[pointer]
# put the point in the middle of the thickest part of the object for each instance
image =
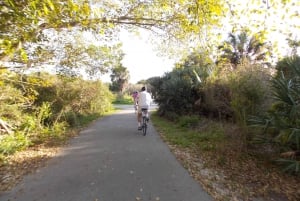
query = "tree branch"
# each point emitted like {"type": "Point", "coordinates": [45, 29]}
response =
{"type": "Point", "coordinates": [5, 126]}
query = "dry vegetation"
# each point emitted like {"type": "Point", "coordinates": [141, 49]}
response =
{"type": "Point", "coordinates": [14, 168]}
{"type": "Point", "coordinates": [229, 172]}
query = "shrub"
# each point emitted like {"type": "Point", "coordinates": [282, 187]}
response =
{"type": "Point", "coordinates": [12, 143]}
{"type": "Point", "coordinates": [249, 92]}
{"type": "Point", "coordinates": [215, 100]}
{"type": "Point", "coordinates": [72, 119]}
{"type": "Point", "coordinates": [75, 95]}
{"type": "Point", "coordinates": [12, 101]}
{"type": "Point", "coordinates": [56, 134]}
{"type": "Point", "coordinates": [41, 105]}
{"type": "Point", "coordinates": [177, 92]}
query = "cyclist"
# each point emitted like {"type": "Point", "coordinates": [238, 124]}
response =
{"type": "Point", "coordinates": [144, 101]}
{"type": "Point", "coordinates": [135, 100]}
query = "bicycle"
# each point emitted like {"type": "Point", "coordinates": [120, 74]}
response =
{"type": "Point", "coordinates": [145, 120]}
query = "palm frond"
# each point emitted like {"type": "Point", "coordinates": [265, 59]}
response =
{"type": "Point", "coordinates": [281, 91]}
{"type": "Point", "coordinates": [294, 137]}
{"type": "Point", "coordinates": [290, 165]}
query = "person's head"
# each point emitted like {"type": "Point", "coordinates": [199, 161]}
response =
{"type": "Point", "coordinates": [143, 89]}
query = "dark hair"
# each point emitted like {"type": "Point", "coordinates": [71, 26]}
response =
{"type": "Point", "coordinates": [143, 89]}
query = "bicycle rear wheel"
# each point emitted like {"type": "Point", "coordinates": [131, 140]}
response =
{"type": "Point", "coordinates": [144, 127]}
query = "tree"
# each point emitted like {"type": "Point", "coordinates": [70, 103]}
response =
{"type": "Point", "coordinates": [153, 85]}
{"type": "Point", "coordinates": [142, 82]}
{"type": "Point", "coordinates": [241, 48]}
{"type": "Point", "coordinates": [71, 53]}
{"type": "Point", "coordinates": [92, 60]}
{"type": "Point", "coordinates": [278, 19]}
{"type": "Point", "coordinates": [25, 21]}
{"type": "Point", "coordinates": [119, 78]}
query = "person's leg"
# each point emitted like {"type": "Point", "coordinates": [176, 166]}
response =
{"type": "Point", "coordinates": [147, 115]}
{"type": "Point", "coordinates": [135, 108]}
{"type": "Point", "coordinates": [139, 118]}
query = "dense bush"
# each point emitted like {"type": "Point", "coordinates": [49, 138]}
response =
{"type": "Point", "coordinates": [214, 101]}
{"type": "Point", "coordinates": [191, 89]}
{"type": "Point", "coordinates": [177, 92]}
{"type": "Point", "coordinates": [12, 101]}
{"type": "Point", "coordinates": [70, 97]}
{"type": "Point", "coordinates": [236, 95]}
{"type": "Point", "coordinates": [249, 88]}
{"type": "Point", "coordinates": [43, 106]}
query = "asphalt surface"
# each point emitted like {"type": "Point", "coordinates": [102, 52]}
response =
{"type": "Point", "coordinates": [111, 161]}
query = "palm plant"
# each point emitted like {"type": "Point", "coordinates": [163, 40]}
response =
{"type": "Point", "coordinates": [240, 48]}
{"type": "Point", "coordinates": [284, 116]}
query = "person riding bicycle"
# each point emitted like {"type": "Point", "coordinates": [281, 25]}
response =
{"type": "Point", "coordinates": [144, 101]}
{"type": "Point", "coordinates": [135, 100]}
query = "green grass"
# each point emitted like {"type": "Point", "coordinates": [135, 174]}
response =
{"type": "Point", "coordinates": [178, 134]}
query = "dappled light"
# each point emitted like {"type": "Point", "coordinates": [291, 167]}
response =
{"type": "Point", "coordinates": [228, 106]}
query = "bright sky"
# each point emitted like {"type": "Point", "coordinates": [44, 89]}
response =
{"type": "Point", "coordinates": [141, 60]}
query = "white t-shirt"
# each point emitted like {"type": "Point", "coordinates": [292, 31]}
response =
{"type": "Point", "coordinates": [144, 99]}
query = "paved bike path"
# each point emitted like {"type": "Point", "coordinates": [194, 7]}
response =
{"type": "Point", "coordinates": [111, 161]}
